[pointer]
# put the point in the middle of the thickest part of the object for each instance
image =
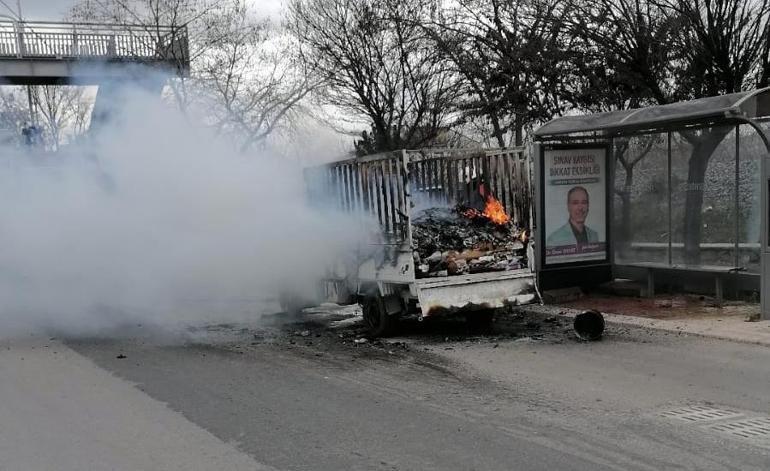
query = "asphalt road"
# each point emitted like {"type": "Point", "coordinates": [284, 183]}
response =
{"type": "Point", "coordinates": [306, 396]}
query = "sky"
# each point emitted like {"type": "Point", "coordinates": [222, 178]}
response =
{"type": "Point", "coordinates": [39, 10]}
{"type": "Point", "coordinates": [53, 10]}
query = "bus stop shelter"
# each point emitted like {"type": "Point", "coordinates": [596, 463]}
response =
{"type": "Point", "coordinates": [676, 195]}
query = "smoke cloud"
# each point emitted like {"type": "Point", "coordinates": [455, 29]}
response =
{"type": "Point", "coordinates": [154, 220]}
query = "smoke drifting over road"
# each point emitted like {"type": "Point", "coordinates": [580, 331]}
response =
{"type": "Point", "coordinates": [152, 221]}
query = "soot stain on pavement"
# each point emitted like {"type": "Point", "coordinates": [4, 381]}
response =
{"type": "Point", "coordinates": [335, 337]}
{"type": "Point", "coordinates": [328, 337]}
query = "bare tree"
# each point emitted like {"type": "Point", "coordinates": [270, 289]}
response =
{"type": "Point", "coordinates": [626, 60]}
{"type": "Point", "coordinates": [670, 50]}
{"type": "Point", "coordinates": [81, 114]}
{"type": "Point", "coordinates": [250, 78]}
{"type": "Point", "coordinates": [63, 110]}
{"type": "Point", "coordinates": [241, 71]}
{"type": "Point", "coordinates": [721, 43]}
{"type": "Point", "coordinates": [628, 54]}
{"type": "Point", "coordinates": [161, 22]}
{"type": "Point", "coordinates": [15, 109]}
{"type": "Point", "coordinates": [376, 66]}
{"type": "Point", "coordinates": [512, 58]}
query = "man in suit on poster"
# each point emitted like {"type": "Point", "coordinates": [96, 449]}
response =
{"type": "Point", "coordinates": [575, 231]}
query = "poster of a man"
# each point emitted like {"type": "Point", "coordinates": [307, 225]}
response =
{"type": "Point", "coordinates": [575, 206]}
{"type": "Point", "coordinates": [575, 230]}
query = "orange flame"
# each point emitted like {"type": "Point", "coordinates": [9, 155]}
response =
{"type": "Point", "coordinates": [495, 212]}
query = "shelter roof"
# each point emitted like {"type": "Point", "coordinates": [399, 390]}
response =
{"type": "Point", "coordinates": [722, 109]}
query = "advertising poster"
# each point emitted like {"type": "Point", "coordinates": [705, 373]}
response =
{"type": "Point", "coordinates": [575, 199]}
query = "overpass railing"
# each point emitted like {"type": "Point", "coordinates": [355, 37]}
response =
{"type": "Point", "coordinates": [26, 40]}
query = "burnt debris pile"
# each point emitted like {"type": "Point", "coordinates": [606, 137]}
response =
{"type": "Point", "coordinates": [449, 241]}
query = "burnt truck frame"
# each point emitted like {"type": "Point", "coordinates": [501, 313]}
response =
{"type": "Point", "coordinates": [386, 188]}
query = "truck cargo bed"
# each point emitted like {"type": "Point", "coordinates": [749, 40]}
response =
{"type": "Point", "coordinates": [441, 215]}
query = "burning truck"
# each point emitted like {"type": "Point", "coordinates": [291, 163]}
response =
{"type": "Point", "coordinates": [451, 233]}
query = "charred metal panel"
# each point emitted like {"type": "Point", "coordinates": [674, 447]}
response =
{"type": "Point", "coordinates": [478, 291]}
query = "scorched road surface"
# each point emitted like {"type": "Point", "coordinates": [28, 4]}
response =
{"type": "Point", "coordinates": [311, 395]}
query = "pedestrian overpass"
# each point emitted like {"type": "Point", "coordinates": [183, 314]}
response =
{"type": "Point", "coordinates": [109, 56]}
{"type": "Point", "coordinates": [45, 53]}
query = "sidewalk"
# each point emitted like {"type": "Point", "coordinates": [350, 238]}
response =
{"type": "Point", "coordinates": [728, 323]}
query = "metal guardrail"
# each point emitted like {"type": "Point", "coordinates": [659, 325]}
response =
{"type": "Point", "coordinates": [39, 40]}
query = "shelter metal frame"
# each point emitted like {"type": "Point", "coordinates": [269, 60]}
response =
{"type": "Point", "coordinates": [736, 109]}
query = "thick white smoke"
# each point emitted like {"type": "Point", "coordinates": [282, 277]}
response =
{"type": "Point", "coordinates": [153, 221]}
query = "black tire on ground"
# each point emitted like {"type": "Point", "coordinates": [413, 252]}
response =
{"type": "Point", "coordinates": [480, 320]}
{"type": "Point", "coordinates": [377, 320]}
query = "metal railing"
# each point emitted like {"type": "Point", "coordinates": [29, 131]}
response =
{"type": "Point", "coordinates": [450, 176]}
{"type": "Point", "coordinates": [26, 40]}
{"type": "Point", "coordinates": [376, 185]}
{"type": "Point", "coordinates": [385, 185]}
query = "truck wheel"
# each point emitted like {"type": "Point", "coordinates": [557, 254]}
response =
{"type": "Point", "coordinates": [377, 319]}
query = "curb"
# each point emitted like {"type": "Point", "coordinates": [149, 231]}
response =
{"type": "Point", "coordinates": [619, 320]}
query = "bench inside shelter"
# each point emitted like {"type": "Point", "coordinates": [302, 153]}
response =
{"type": "Point", "coordinates": [718, 272]}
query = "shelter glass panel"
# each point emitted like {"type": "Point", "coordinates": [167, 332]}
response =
{"type": "Point", "coordinates": [640, 210]}
{"type": "Point", "coordinates": [703, 182]}
{"type": "Point", "coordinates": [750, 192]}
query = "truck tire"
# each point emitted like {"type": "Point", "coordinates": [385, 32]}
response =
{"type": "Point", "coordinates": [378, 321]}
